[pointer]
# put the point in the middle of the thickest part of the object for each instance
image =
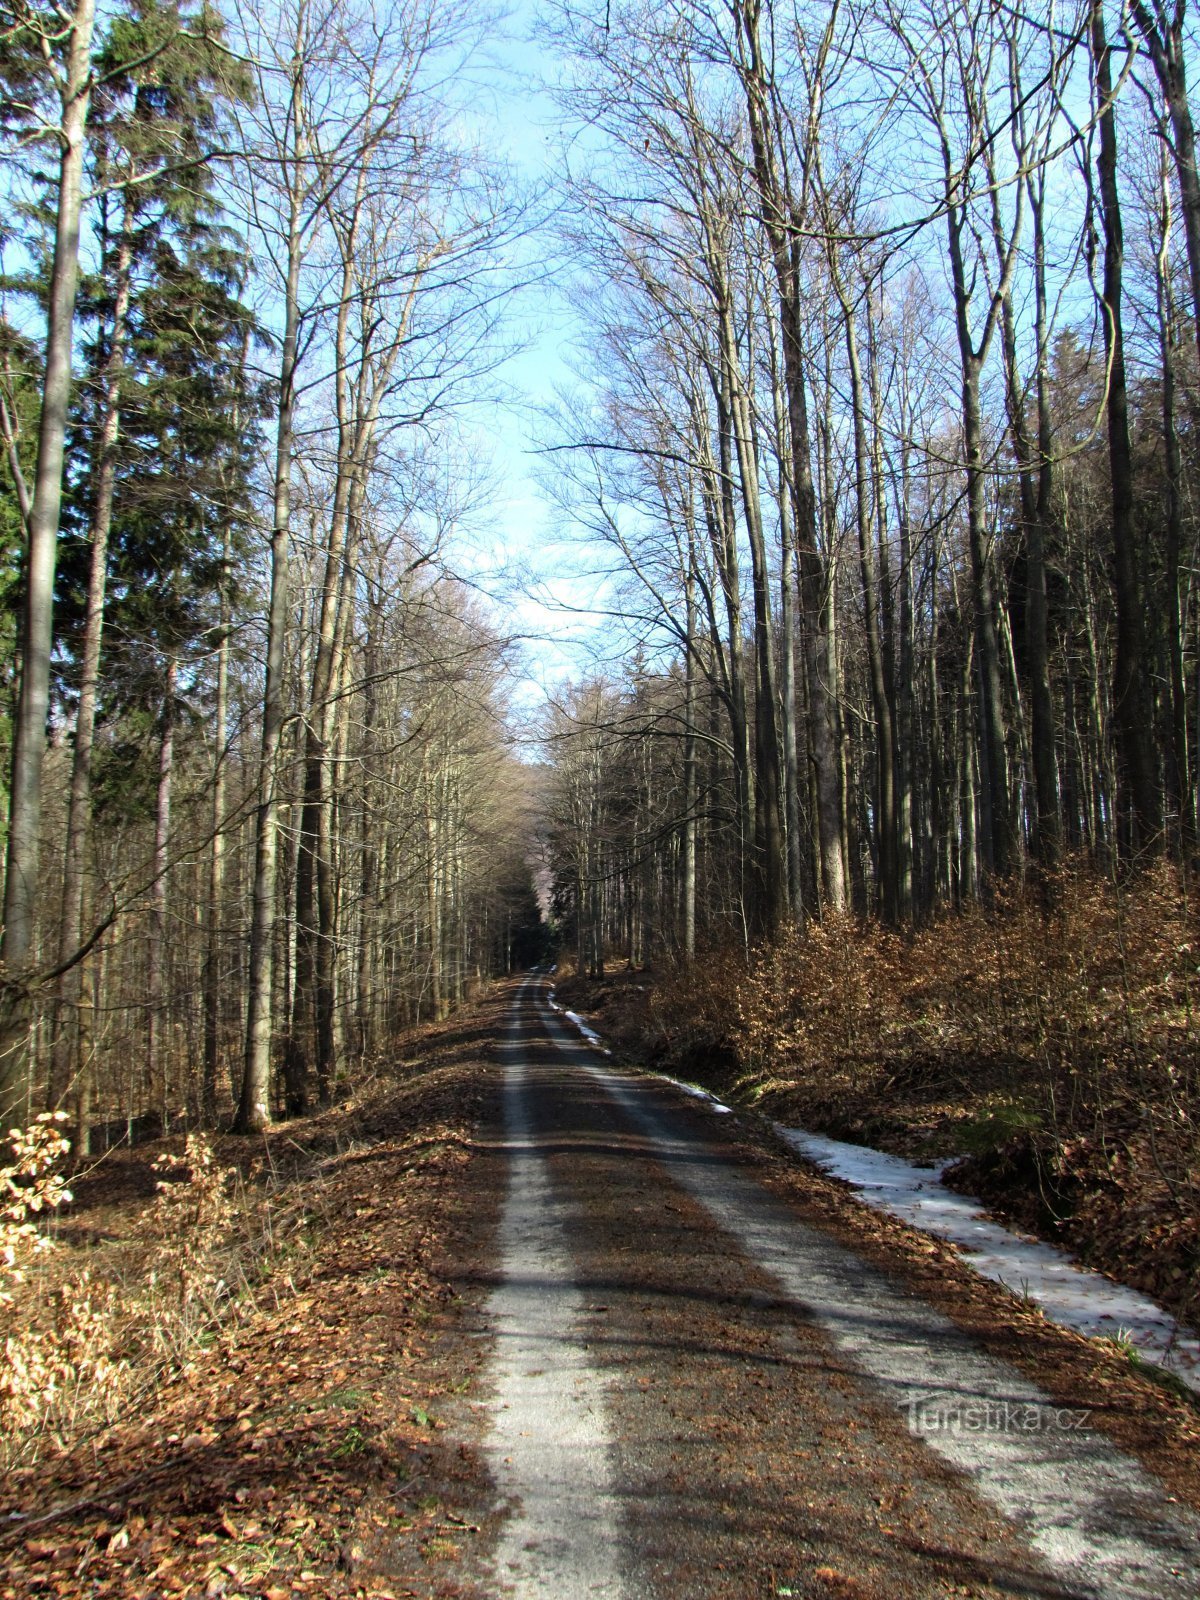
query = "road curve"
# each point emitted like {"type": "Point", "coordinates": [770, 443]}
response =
{"type": "Point", "coordinates": [696, 1393]}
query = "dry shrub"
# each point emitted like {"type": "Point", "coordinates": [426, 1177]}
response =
{"type": "Point", "coordinates": [1058, 1029]}
{"type": "Point", "coordinates": [57, 1356]}
{"type": "Point", "coordinates": [81, 1346]}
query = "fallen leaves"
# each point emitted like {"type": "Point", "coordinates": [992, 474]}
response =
{"type": "Point", "coordinates": [238, 1480]}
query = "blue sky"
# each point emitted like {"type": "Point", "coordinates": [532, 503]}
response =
{"type": "Point", "coordinates": [519, 531]}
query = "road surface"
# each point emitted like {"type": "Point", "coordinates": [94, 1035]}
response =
{"type": "Point", "coordinates": [691, 1391]}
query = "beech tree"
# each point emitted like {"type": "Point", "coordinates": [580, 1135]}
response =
{"type": "Point", "coordinates": [1002, 670]}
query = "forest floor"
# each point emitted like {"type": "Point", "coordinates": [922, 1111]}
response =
{"type": "Point", "coordinates": [306, 1438]}
{"type": "Point", "coordinates": [510, 1239]}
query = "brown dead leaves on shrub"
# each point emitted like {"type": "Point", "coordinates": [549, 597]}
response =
{"type": "Point", "coordinates": [277, 1433]}
{"type": "Point", "coordinates": [1052, 1036]}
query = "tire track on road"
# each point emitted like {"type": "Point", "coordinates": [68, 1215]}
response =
{"type": "Point", "coordinates": [550, 1449]}
{"type": "Point", "coordinates": [1092, 1514]}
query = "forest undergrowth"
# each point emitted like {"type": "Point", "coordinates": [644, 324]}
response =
{"type": "Point", "coordinates": [205, 1339]}
{"type": "Point", "coordinates": [1050, 1040]}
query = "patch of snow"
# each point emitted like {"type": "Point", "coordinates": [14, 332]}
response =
{"type": "Point", "coordinates": [1049, 1277]}
{"type": "Point", "coordinates": [696, 1092]}
{"type": "Point", "coordinates": [589, 1034]}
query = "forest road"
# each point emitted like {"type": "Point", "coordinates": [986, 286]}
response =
{"type": "Point", "coordinates": [693, 1392]}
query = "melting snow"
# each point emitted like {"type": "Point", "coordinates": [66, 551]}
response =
{"type": "Point", "coordinates": [696, 1092]}
{"type": "Point", "coordinates": [1049, 1277]}
{"type": "Point", "coordinates": [1067, 1293]}
{"type": "Point", "coordinates": [589, 1034]}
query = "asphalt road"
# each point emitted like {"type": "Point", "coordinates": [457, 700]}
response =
{"type": "Point", "coordinates": [694, 1392]}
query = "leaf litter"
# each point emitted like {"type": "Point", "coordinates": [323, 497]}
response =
{"type": "Point", "coordinates": [300, 1451]}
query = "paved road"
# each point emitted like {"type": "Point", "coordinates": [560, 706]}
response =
{"type": "Point", "coordinates": [694, 1393]}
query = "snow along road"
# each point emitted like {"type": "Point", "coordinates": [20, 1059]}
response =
{"type": "Point", "coordinates": [697, 1393]}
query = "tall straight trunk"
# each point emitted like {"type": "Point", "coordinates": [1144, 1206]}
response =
{"type": "Point", "coordinates": [993, 756]}
{"type": "Point", "coordinates": [63, 1062]}
{"type": "Point", "coordinates": [885, 756]}
{"type": "Point", "coordinates": [941, 760]}
{"type": "Point", "coordinates": [325, 1012]}
{"type": "Point", "coordinates": [316, 723]}
{"type": "Point", "coordinates": [787, 618]}
{"type": "Point", "coordinates": [254, 1107]}
{"type": "Point", "coordinates": [828, 472]}
{"type": "Point", "coordinates": [434, 898]}
{"type": "Point", "coordinates": [819, 615]}
{"type": "Point", "coordinates": [1178, 763]}
{"type": "Point", "coordinates": [1047, 841]}
{"type": "Point", "coordinates": [770, 868]}
{"type": "Point", "coordinates": [968, 863]}
{"type": "Point", "coordinates": [29, 734]}
{"type": "Point", "coordinates": [723, 536]}
{"type": "Point", "coordinates": [905, 691]}
{"type": "Point", "coordinates": [1132, 699]}
{"type": "Point", "coordinates": [690, 786]}
{"type": "Point", "coordinates": [581, 946]}
{"type": "Point", "coordinates": [370, 871]}
{"type": "Point", "coordinates": [214, 921]}
{"type": "Point", "coordinates": [156, 1068]}
{"type": "Point", "coordinates": [783, 235]}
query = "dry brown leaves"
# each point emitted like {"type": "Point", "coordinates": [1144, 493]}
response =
{"type": "Point", "coordinates": [1054, 1035]}
{"type": "Point", "coordinates": [281, 1456]}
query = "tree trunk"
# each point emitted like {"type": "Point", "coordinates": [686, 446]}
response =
{"type": "Point", "coordinates": [1166, 42]}
{"type": "Point", "coordinates": [885, 757]}
{"type": "Point", "coordinates": [214, 925]}
{"type": "Point", "coordinates": [690, 786]}
{"type": "Point", "coordinates": [29, 735]}
{"type": "Point", "coordinates": [1132, 701]}
{"type": "Point", "coordinates": [787, 616]}
{"type": "Point", "coordinates": [997, 853]}
{"type": "Point", "coordinates": [783, 237]}
{"type": "Point", "coordinates": [770, 868]}
{"type": "Point", "coordinates": [254, 1108]}
{"type": "Point", "coordinates": [1178, 764]}
{"type": "Point", "coordinates": [157, 1076]}
{"type": "Point", "coordinates": [63, 1063]}
{"type": "Point", "coordinates": [1047, 840]}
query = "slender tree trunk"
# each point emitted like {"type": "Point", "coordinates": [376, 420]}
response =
{"type": "Point", "coordinates": [783, 237]}
{"type": "Point", "coordinates": [993, 754]}
{"type": "Point", "coordinates": [770, 869]}
{"type": "Point", "coordinates": [29, 738]}
{"type": "Point", "coordinates": [787, 617]}
{"type": "Point", "coordinates": [325, 988]}
{"type": "Point", "coordinates": [254, 1108]}
{"type": "Point", "coordinates": [690, 795]}
{"type": "Point", "coordinates": [1047, 842]}
{"type": "Point", "coordinates": [156, 1067]}
{"type": "Point", "coordinates": [905, 690]}
{"type": "Point", "coordinates": [214, 922]}
{"type": "Point", "coordinates": [308, 936]}
{"type": "Point", "coordinates": [1178, 764]}
{"type": "Point", "coordinates": [723, 535]}
{"type": "Point", "coordinates": [63, 1063]}
{"type": "Point", "coordinates": [1132, 701]}
{"type": "Point", "coordinates": [885, 762]}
